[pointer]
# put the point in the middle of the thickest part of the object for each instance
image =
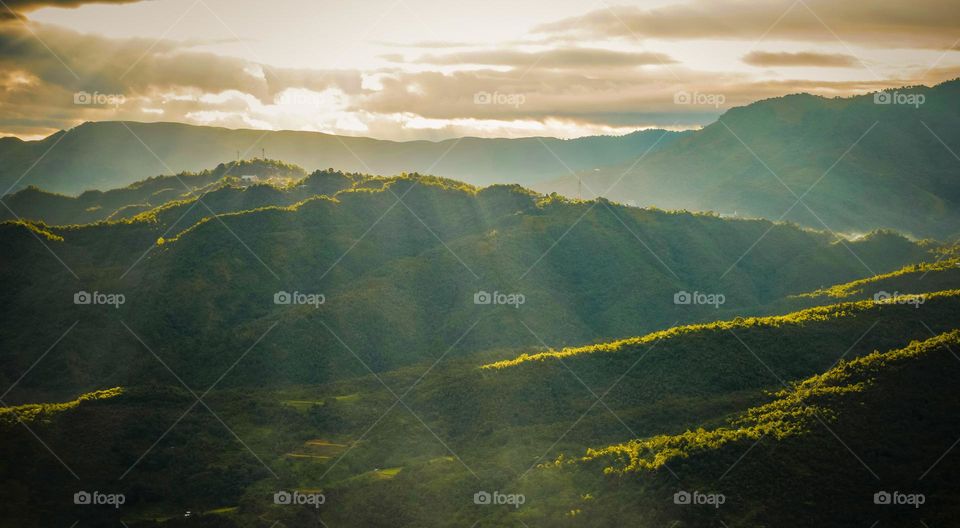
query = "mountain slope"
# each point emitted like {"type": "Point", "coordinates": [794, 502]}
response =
{"type": "Point", "coordinates": [858, 165]}
{"type": "Point", "coordinates": [36, 204]}
{"type": "Point", "coordinates": [185, 198]}
{"type": "Point", "coordinates": [879, 424]}
{"type": "Point", "coordinates": [724, 357]}
{"type": "Point", "coordinates": [399, 280]}
{"type": "Point", "coordinates": [107, 155]}
{"type": "Point", "coordinates": [914, 279]}
{"type": "Point", "coordinates": [343, 439]}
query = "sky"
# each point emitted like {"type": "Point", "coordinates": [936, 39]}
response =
{"type": "Point", "coordinates": [432, 69]}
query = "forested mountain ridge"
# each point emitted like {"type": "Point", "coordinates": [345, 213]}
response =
{"type": "Point", "coordinates": [399, 279]}
{"type": "Point", "coordinates": [872, 432]}
{"type": "Point", "coordinates": [230, 187]}
{"type": "Point", "coordinates": [91, 206]}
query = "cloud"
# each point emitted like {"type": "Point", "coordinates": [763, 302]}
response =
{"type": "Point", "coordinates": [14, 9]}
{"type": "Point", "coordinates": [881, 23]}
{"type": "Point", "coordinates": [802, 58]}
{"type": "Point", "coordinates": [566, 91]}
{"type": "Point", "coordinates": [427, 44]}
{"type": "Point", "coordinates": [134, 67]}
{"type": "Point", "coordinates": [621, 97]}
{"type": "Point", "coordinates": [42, 68]}
{"type": "Point", "coordinates": [562, 58]}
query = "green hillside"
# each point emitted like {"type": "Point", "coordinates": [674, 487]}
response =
{"type": "Point", "coordinates": [915, 278]}
{"type": "Point", "coordinates": [398, 280]}
{"type": "Point", "coordinates": [38, 205]}
{"type": "Point", "coordinates": [881, 423]}
{"type": "Point", "coordinates": [470, 429]}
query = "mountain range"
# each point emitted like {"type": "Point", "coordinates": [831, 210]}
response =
{"type": "Point", "coordinates": [110, 154]}
{"type": "Point", "coordinates": [211, 340]}
{"type": "Point", "coordinates": [842, 164]}
{"type": "Point", "coordinates": [847, 165]}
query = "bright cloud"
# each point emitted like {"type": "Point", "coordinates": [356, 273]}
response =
{"type": "Point", "coordinates": [566, 72]}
